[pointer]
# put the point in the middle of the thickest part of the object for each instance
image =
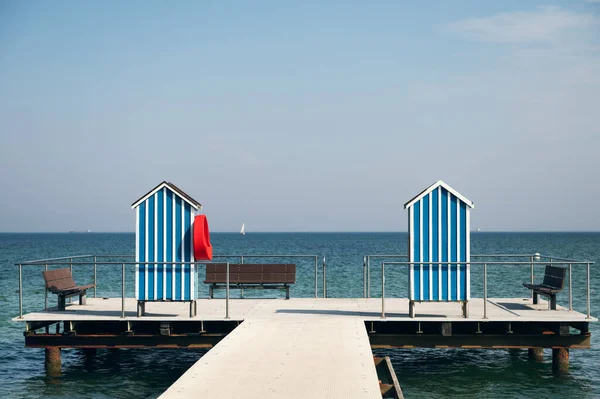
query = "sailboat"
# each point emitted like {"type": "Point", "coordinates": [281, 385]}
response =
{"type": "Point", "coordinates": [242, 232]}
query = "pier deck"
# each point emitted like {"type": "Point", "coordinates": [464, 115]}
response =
{"type": "Point", "coordinates": [302, 347]}
{"type": "Point", "coordinates": [498, 309]}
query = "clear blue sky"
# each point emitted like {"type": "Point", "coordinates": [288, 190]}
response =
{"type": "Point", "coordinates": [303, 116]}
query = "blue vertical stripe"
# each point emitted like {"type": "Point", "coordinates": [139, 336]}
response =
{"type": "Point", "coordinates": [417, 258]}
{"type": "Point", "coordinates": [141, 249]}
{"type": "Point", "coordinates": [179, 243]}
{"type": "Point", "coordinates": [186, 254]}
{"type": "Point", "coordinates": [151, 245]}
{"type": "Point", "coordinates": [463, 249]}
{"type": "Point", "coordinates": [453, 254]}
{"type": "Point", "coordinates": [169, 249]}
{"type": "Point", "coordinates": [434, 242]}
{"type": "Point", "coordinates": [426, 244]}
{"type": "Point", "coordinates": [445, 257]}
{"type": "Point", "coordinates": [160, 245]}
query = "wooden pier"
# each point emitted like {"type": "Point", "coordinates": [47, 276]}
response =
{"type": "Point", "coordinates": [303, 347]}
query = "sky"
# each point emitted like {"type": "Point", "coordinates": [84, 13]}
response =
{"type": "Point", "coordinates": [299, 116]}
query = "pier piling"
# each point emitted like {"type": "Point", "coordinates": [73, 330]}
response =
{"type": "Point", "coordinates": [536, 354]}
{"type": "Point", "coordinates": [53, 361]}
{"type": "Point", "coordinates": [560, 360]}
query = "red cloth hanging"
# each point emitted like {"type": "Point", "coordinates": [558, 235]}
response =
{"type": "Point", "coordinates": [202, 248]}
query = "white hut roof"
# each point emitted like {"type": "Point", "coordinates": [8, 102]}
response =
{"type": "Point", "coordinates": [195, 204]}
{"type": "Point", "coordinates": [435, 185]}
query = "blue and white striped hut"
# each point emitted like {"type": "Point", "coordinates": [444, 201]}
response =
{"type": "Point", "coordinates": [163, 232]}
{"type": "Point", "coordinates": [439, 231]}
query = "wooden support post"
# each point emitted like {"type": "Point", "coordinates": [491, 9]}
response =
{"type": "Point", "coordinates": [53, 361]}
{"type": "Point", "coordinates": [560, 360]}
{"type": "Point", "coordinates": [536, 354]}
{"type": "Point", "coordinates": [446, 329]}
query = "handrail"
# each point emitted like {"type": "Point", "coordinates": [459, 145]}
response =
{"type": "Point", "coordinates": [68, 260]}
{"type": "Point", "coordinates": [53, 259]}
{"type": "Point", "coordinates": [485, 264]}
{"type": "Point", "coordinates": [532, 258]}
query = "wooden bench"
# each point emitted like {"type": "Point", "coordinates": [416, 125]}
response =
{"type": "Point", "coordinates": [554, 282]}
{"type": "Point", "coordinates": [60, 282]}
{"type": "Point", "coordinates": [252, 276]}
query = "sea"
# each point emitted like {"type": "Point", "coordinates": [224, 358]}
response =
{"type": "Point", "coordinates": [423, 373]}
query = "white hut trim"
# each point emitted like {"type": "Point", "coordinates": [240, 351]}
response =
{"type": "Point", "coordinates": [193, 203]}
{"type": "Point", "coordinates": [435, 185]}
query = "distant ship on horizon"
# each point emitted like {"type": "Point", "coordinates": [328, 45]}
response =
{"type": "Point", "coordinates": [79, 232]}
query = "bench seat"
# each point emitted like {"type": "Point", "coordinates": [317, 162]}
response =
{"type": "Point", "coordinates": [61, 283]}
{"type": "Point", "coordinates": [251, 276]}
{"type": "Point", "coordinates": [554, 282]}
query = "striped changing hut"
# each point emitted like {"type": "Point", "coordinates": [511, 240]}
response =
{"type": "Point", "coordinates": [164, 228]}
{"type": "Point", "coordinates": [439, 231]}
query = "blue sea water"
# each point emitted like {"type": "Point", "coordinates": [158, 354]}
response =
{"type": "Point", "coordinates": [423, 373]}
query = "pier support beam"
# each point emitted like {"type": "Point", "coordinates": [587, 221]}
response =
{"type": "Point", "coordinates": [560, 360]}
{"type": "Point", "coordinates": [536, 354]}
{"type": "Point", "coordinates": [53, 361]}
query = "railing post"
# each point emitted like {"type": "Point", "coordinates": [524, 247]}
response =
{"type": "Point", "coordinates": [368, 276]}
{"type": "Point", "coordinates": [94, 276]}
{"type": "Point", "coordinates": [324, 278]}
{"type": "Point", "coordinates": [316, 277]}
{"type": "Point", "coordinates": [123, 290]}
{"type": "Point", "coordinates": [20, 291]}
{"type": "Point", "coordinates": [589, 302]}
{"type": "Point", "coordinates": [383, 290]}
{"type": "Point", "coordinates": [485, 290]}
{"type": "Point", "coordinates": [531, 293]}
{"type": "Point", "coordinates": [71, 269]}
{"type": "Point", "coordinates": [570, 289]}
{"type": "Point", "coordinates": [46, 291]}
{"type": "Point", "coordinates": [227, 292]}
{"type": "Point", "coordinates": [364, 276]}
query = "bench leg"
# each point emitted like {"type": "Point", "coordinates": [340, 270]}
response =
{"type": "Point", "coordinates": [192, 308]}
{"type": "Point", "coordinates": [411, 309]}
{"type": "Point", "coordinates": [553, 302]}
{"type": "Point", "coordinates": [141, 308]}
{"type": "Point", "coordinates": [465, 309]}
{"type": "Point", "coordinates": [211, 291]}
{"type": "Point", "coordinates": [61, 302]}
{"type": "Point", "coordinates": [535, 298]}
{"type": "Point", "coordinates": [287, 292]}
{"type": "Point", "coordinates": [83, 299]}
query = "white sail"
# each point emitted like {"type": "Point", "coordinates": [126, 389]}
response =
{"type": "Point", "coordinates": [242, 232]}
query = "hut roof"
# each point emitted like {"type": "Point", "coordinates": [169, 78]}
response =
{"type": "Point", "coordinates": [433, 187]}
{"type": "Point", "coordinates": [195, 204]}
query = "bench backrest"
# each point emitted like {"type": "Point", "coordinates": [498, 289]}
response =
{"type": "Point", "coordinates": [59, 279]}
{"type": "Point", "coordinates": [555, 277]}
{"type": "Point", "coordinates": [250, 273]}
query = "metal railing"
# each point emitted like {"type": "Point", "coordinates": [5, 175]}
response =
{"type": "Point", "coordinates": [535, 257]}
{"type": "Point", "coordinates": [97, 260]}
{"type": "Point", "coordinates": [531, 257]}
